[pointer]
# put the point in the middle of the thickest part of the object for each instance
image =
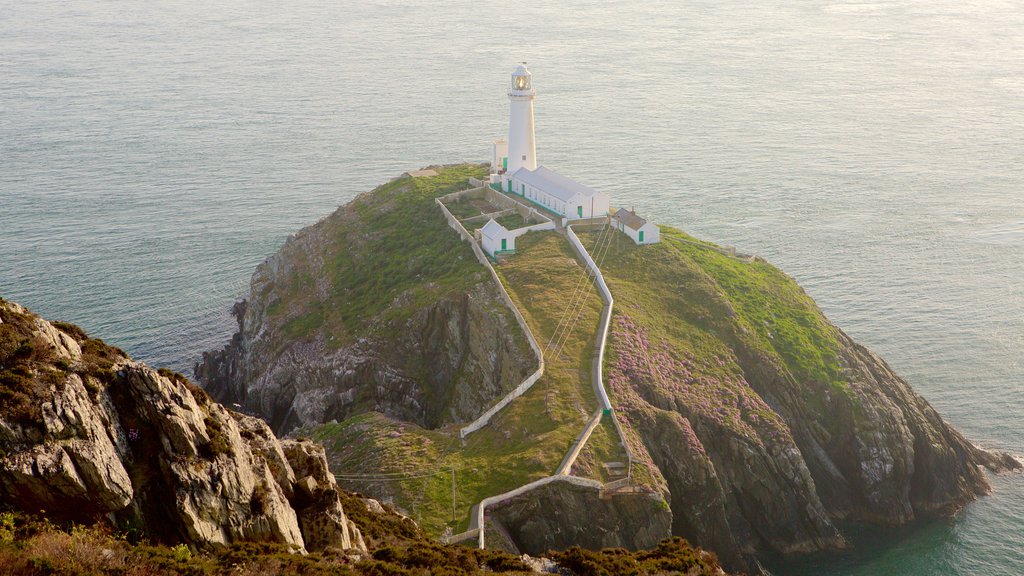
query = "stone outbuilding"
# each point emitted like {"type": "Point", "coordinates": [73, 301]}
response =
{"type": "Point", "coordinates": [637, 228]}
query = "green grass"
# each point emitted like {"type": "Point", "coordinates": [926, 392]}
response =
{"type": "Point", "coordinates": [525, 442]}
{"type": "Point", "coordinates": [769, 304]}
{"type": "Point", "coordinates": [511, 221]}
{"type": "Point", "coordinates": [390, 253]}
{"type": "Point", "coordinates": [702, 302]}
{"type": "Point", "coordinates": [686, 314]}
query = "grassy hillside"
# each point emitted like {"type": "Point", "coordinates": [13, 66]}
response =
{"type": "Point", "coordinates": [683, 309]}
{"type": "Point", "coordinates": [390, 254]}
{"type": "Point", "coordinates": [526, 441]}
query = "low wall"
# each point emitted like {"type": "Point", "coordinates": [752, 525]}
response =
{"type": "Point", "coordinates": [482, 507]}
{"type": "Point", "coordinates": [598, 361]}
{"type": "Point", "coordinates": [606, 316]}
{"type": "Point", "coordinates": [530, 380]}
{"type": "Point", "coordinates": [522, 208]}
{"type": "Point", "coordinates": [574, 452]}
{"type": "Point", "coordinates": [549, 225]}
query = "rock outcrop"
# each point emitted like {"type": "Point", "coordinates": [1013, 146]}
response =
{"type": "Point", "coordinates": [370, 309]}
{"type": "Point", "coordinates": [563, 514]}
{"type": "Point", "coordinates": [88, 434]}
{"type": "Point", "coordinates": [763, 422]}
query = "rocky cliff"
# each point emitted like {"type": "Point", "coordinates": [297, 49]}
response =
{"type": "Point", "coordinates": [763, 421]}
{"type": "Point", "coordinates": [379, 307]}
{"type": "Point", "coordinates": [88, 434]}
{"type": "Point", "coordinates": [756, 422]}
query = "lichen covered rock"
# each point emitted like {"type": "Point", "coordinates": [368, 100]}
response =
{"type": "Point", "coordinates": [117, 439]}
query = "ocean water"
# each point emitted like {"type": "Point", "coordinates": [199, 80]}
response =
{"type": "Point", "coordinates": [152, 154]}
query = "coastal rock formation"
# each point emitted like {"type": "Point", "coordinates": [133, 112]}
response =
{"type": "Point", "coordinates": [759, 422]}
{"type": "Point", "coordinates": [368, 309]}
{"type": "Point", "coordinates": [87, 433]}
{"type": "Point", "coordinates": [763, 422]}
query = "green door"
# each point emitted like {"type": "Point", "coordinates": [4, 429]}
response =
{"type": "Point", "coordinates": [504, 245]}
{"type": "Point", "coordinates": [523, 190]}
{"type": "Point", "coordinates": [579, 211]}
{"type": "Point", "coordinates": [510, 185]}
{"type": "Point", "coordinates": [504, 163]}
{"type": "Point", "coordinates": [641, 236]}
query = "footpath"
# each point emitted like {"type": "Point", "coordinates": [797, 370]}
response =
{"type": "Point", "coordinates": [562, 474]}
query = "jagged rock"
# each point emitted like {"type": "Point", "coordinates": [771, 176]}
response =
{"type": "Point", "coordinates": [320, 513]}
{"type": "Point", "coordinates": [102, 435]}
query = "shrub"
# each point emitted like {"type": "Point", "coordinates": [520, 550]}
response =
{"type": "Point", "coordinates": [218, 443]}
{"type": "Point", "coordinates": [6, 528]}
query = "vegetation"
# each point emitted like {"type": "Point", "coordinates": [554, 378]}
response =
{"type": "Point", "coordinates": [525, 442]}
{"type": "Point", "coordinates": [689, 319]}
{"type": "Point", "coordinates": [32, 546]}
{"type": "Point", "coordinates": [672, 556]}
{"type": "Point", "coordinates": [30, 368]}
{"type": "Point", "coordinates": [388, 254]}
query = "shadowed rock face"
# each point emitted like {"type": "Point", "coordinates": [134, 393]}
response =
{"type": "Point", "coordinates": [116, 439]}
{"type": "Point", "coordinates": [434, 359]}
{"type": "Point", "coordinates": [563, 514]}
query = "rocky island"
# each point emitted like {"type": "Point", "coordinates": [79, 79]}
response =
{"type": "Point", "coordinates": [751, 424]}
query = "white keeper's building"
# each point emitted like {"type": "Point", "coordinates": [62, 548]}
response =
{"type": "Point", "coordinates": [557, 193]}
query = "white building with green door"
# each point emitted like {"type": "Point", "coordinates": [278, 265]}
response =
{"type": "Point", "coordinates": [556, 193]}
{"type": "Point", "coordinates": [495, 239]}
{"type": "Point", "coordinates": [637, 228]}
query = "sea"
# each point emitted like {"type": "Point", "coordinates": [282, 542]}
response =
{"type": "Point", "coordinates": [153, 153]}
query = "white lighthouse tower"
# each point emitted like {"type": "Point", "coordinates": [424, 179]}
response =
{"type": "Point", "coordinates": [522, 148]}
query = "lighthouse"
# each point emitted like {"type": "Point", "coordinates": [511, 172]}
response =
{"type": "Point", "coordinates": [522, 148]}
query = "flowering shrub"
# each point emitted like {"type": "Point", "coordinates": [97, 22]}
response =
{"type": "Point", "coordinates": [643, 373]}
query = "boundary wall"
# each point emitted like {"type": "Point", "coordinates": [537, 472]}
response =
{"type": "Point", "coordinates": [530, 380]}
{"type": "Point", "coordinates": [606, 317]}
{"type": "Point", "coordinates": [477, 515]}
{"type": "Point", "coordinates": [597, 369]}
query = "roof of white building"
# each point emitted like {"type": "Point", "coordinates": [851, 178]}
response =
{"type": "Point", "coordinates": [553, 183]}
{"type": "Point", "coordinates": [629, 218]}
{"type": "Point", "coordinates": [492, 229]}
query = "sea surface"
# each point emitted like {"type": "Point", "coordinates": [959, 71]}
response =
{"type": "Point", "coordinates": [153, 153]}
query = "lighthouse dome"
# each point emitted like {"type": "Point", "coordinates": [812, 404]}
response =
{"type": "Point", "coordinates": [521, 78]}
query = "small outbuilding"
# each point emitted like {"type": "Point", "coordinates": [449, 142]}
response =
{"type": "Point", "coordinates": [496, 239]}
{"type": "Point", "coordinates": [637, 228]}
